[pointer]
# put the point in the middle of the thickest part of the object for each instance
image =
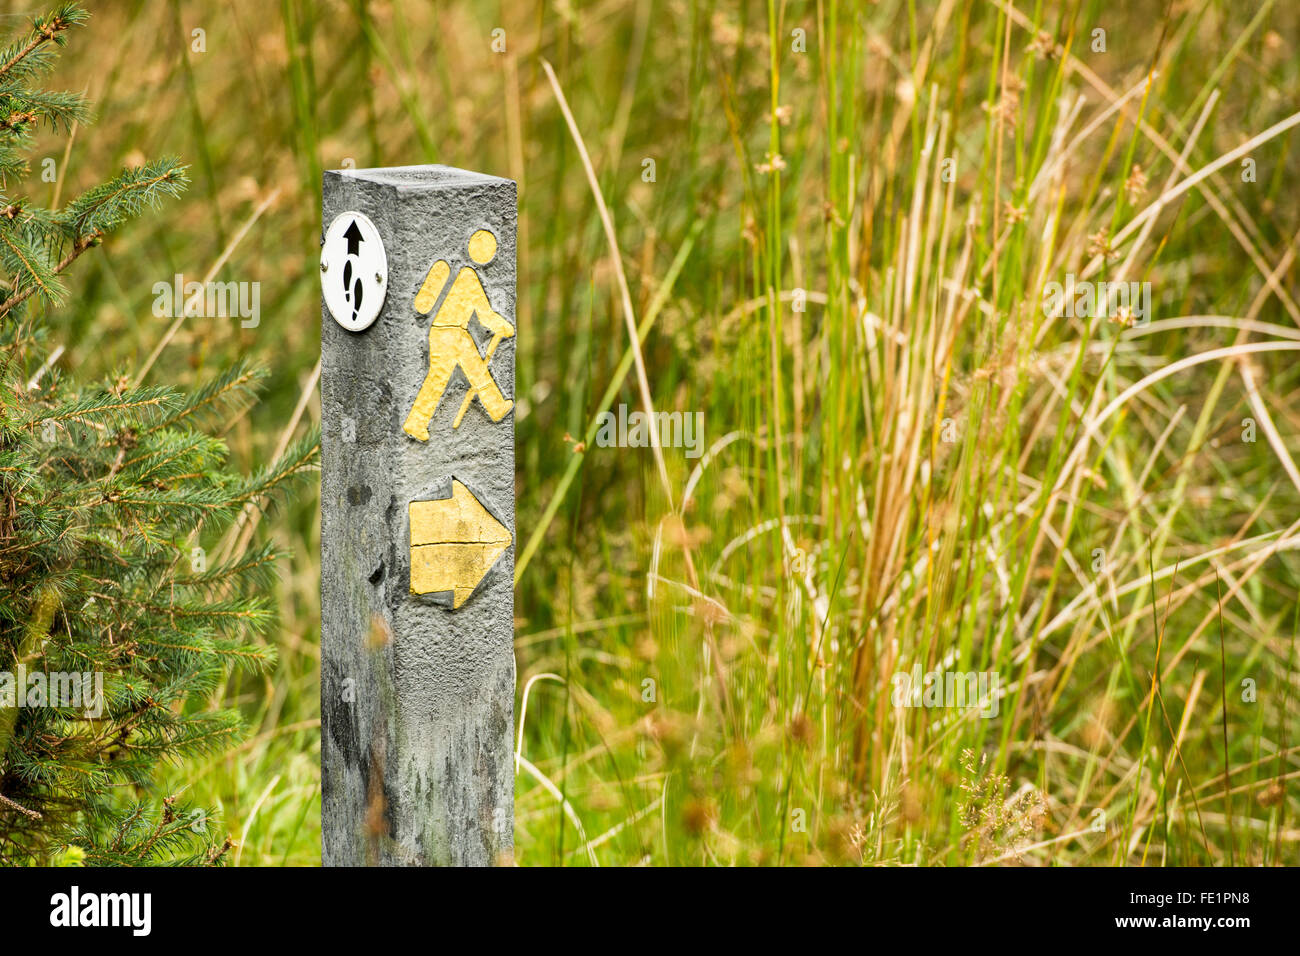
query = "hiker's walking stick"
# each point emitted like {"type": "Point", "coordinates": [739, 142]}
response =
{"type": "Point", "coordinates": [469, 396]}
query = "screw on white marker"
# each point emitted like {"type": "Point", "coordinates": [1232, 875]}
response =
{"type": "Point", "coordinates": [351, 297]}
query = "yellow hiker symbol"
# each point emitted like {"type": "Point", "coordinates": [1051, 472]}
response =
{"type": "Point", "coordinates": [450, 343]}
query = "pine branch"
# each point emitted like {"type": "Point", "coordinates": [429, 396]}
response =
{"type": "Point", "coordinates": [78, 247]}
{"type": "Point", "coordinates": [240, 381]}
{"type": "Point", "coordinates": [26, 262]}
{"type": "Point", "coordinates": [105, 207]}
{"type": "Point", "coordinates": [24, 108]}
{"type": "Point", "coordinates": [15, 805]}
{"type": "Point", "coordinates": [45, 29]}
{"type": "Point", "coordinates": [255, 567]}
{"type": "Point", "coordinates": [301, 456]}
{"type": "Point", "coordinates": [85, 222]}
{"type": "Point", "coordinates": [13, 165]}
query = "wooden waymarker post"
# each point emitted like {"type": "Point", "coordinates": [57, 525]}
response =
{"type": "Point", "coordinates": [417, 517]}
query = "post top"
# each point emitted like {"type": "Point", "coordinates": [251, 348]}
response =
{"type": "Point", "coordinates": [430, 176]}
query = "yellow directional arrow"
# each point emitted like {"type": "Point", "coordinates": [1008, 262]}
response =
{"type": "Point", "coordinates": [454, 543]}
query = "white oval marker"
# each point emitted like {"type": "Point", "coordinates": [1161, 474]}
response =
{"type": "Point", "coordinates": [353, 271]}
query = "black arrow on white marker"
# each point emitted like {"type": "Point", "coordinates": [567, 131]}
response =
{"type": "Point", "coordinates": [353, 271]}
{"type": "Point", "coordinates": [354, 238]}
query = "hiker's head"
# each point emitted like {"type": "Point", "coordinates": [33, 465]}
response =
{"type": "Point", "coordinates": [482, 247]}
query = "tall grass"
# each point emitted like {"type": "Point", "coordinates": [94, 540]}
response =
{"type": "Point", "coordinates": [912, 465]}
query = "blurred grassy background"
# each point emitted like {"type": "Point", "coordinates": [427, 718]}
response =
{"type": "Point", "coordinates": [836, 535]}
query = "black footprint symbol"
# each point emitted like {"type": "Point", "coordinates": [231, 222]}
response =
{"type": "Point", "coordinates": [356, 298]}
{"type": "Point", "coordinates": [352, 289]}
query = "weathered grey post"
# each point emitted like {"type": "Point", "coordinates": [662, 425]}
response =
{"type": "Point", "coordinates": [417, 517]}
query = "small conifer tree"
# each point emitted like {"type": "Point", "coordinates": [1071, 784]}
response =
{"type": "Point", "coordinates": [105, 492]}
